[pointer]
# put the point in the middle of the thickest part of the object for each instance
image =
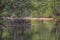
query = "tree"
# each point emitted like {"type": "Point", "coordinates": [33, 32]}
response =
{"type": "Point", "coordinates": [1, 24]}
{"type": "Point", "coordinates": [56, 29]}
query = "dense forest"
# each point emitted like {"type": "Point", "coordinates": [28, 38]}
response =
{"type": "Point", "coordinates": [16, 29]}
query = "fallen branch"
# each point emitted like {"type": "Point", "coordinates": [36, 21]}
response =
{"type": "Point", "coordinates": [28, 18]}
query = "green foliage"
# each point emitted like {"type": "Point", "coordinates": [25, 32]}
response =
{"type": "Point", "coordinates": [5, 35]}
{"type": "Point", "coordinates": [32, 8]}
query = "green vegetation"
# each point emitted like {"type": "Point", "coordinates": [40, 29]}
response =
{"type": "Point", "coordinates": [37, 30]}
